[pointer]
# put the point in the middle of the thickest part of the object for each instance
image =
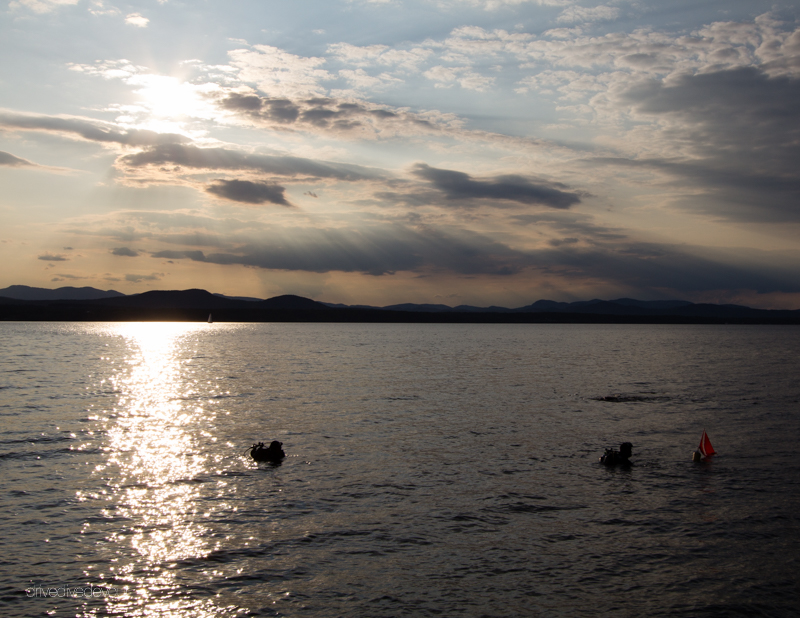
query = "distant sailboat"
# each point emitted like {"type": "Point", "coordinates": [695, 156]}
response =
{"type": "Point", "coordinates": [705, 449]}
{"type": "Point", "coordinates": [210, 321]}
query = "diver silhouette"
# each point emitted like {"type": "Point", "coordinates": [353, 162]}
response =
{"type": "Point", "coordinates": [621, 457]}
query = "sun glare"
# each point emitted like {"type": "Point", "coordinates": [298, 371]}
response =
{"type": "Point", "coordinates": [170, 98]}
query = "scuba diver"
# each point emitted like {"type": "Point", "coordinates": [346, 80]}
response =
{"type": "Point", "coordinates": [621, 457]}
{"type": "Point", "coordinates": [273, 453]}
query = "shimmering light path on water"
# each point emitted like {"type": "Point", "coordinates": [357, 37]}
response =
{"type": "Point", "coordinates": [431, 470]}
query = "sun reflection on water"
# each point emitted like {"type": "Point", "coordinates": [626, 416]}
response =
{"type": "Point", "coordinates": [155, 468]}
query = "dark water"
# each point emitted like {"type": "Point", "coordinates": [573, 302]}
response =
{"type": "Point", "coordinates": [432, 470]}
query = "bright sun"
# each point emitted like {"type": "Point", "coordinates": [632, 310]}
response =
{"type": "Point", "coordinates": [171, 99]}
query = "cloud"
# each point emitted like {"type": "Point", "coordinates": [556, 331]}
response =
{"type": "Point", "coordinates": [574, 224]}
{"type": "Point", "coordinates": [132, 278]}
{"type": "Point", "coordinates": [326, 114]}
{"type": "Point", "coordinates": [136, 19]}
{"type": "Point", "coordinates": [161, 99]}
{"type": "Point", "coordinates": [579, 14]}
{"type": "Point", "coordinates": [739, 110]}
{"type": "Point", "coordinates": [381, 55]}
{"type": "Point", "coordinates": [652, 268]}
{"type": "Point", "coordinates": [572, 250]}
{"type": "Point", "coordinates": [734, 134]}
{"type": "Point", "coordinates": [124, 251]}
{"type": "Point", "coordinates": [99, 7]}
{"type": "Point", "coordinates": [280, 73]}
{"type": "Point", "coordinates": [736, 194]}
{"type": "Point", "coordinates": [87, 129]}
{"type": "Point", "coordinates": [361, 80]}
{"type": "Point", "coordinates": [557, 242]}
{"type": "Point", "coordinates": [50, 257]}
{"type": "Point", "coordinates": [41, 6]}
{"type": "Point", "coordinates": [713, 112]}
{"type": "Point", "coordinates": [12, 161]}
{"type": "Point", "coordinates": [249, 192]}
{"type": "Point", "coordinates": [375, 250]}
{"type": "Point", "coordinates": [493, 5]}
{"type": "Point", "coordinates": [224, 159]}
{"type": "Point", "coordinates": [460, 186]}
{"type": "Point", "coordinates": [649, 268]}
{"type": "Point", "coordinates": [170, 254]}
{"type": "Point", "coordinates": [274, 110]}
{"type": "Point", "coordinates": [313, 109]}
{"type": "Point", "coordinates": [463, 76]}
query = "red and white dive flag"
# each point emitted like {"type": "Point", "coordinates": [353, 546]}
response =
{"type": "Point", "coordinates": [705, 448]}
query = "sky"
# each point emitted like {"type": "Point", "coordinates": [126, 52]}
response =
{"type": "Point", "coordinates": [481, 152]}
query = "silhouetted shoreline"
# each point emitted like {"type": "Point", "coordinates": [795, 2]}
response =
{"type": "Point", "coordinates": [196, 305]}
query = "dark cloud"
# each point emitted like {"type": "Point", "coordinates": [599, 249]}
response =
{"type": "Point", "coordinates": [12, 161]}
{"type": "Point", "coordinates": [740, 107]}
{"type": "Point", "coordinates": [224, 159]}
{"type": "Point", "coordinates": [557, 242]}
{"type": "Point", "coordinates": [608, 254]}
{"type": "Point", "coordinates": [730, 193]}
{"type": "Point", "coordinates": [87, 129]}
{"type": "Point", "coordinates": [743, 127]}
{"type": "Point", "coordinates": [461, 186]}
{"type": "Point", "coordinates": [247, 102]}
{"type": "Point", "coordinates": [196, 256]}
{"type": "Point", "coordinates": [318, 113]}
{"type": "Point", "coordinates": [124, 251]}
{"type": "Point", "coordinates": [49, 257]}
{"type": "Point", "coordinates": [377, 250]}
{"type": "Point", "coordinates": [649, 267]}
{"type": "Point", "coordinates": [249, 192]}
{"type": "Point", "coordinates": [581, 251]}
{"type": "Point", "coordinates": [279, 111]}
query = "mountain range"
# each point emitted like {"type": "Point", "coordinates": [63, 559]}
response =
{"type": "Point", "coordinates": [19, 302]}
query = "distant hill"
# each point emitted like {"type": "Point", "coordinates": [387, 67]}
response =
{"type": "Point", "coordinates": [615, 310]}
{"type": "Point", "coordinates": [289, 301]}
{"type": "Point", "coordinates": [24, 303]}
{"type": "Point", "coordinates": [412, 307]}
{"type": "Point", "coordinates": [170, 305]}
{"type": "Point", "coordinates": [619, 307]}
{"type": "Point", "coordinates": [248, 298]}
{"type": "Point", "coordinates": [24, 292]}
{"type": "Point", "coordinates": [200, 299]}
{"type": "Point", "coordinates": [172, 299]}
{"type": "Point", "coordinates": [622, 306]}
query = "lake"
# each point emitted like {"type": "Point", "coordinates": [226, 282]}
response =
{"type": "Point", "coordinates": [431, 470]}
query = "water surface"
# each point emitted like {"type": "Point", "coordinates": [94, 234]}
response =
{"type": "Point", "coordinates": [432, 470]}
